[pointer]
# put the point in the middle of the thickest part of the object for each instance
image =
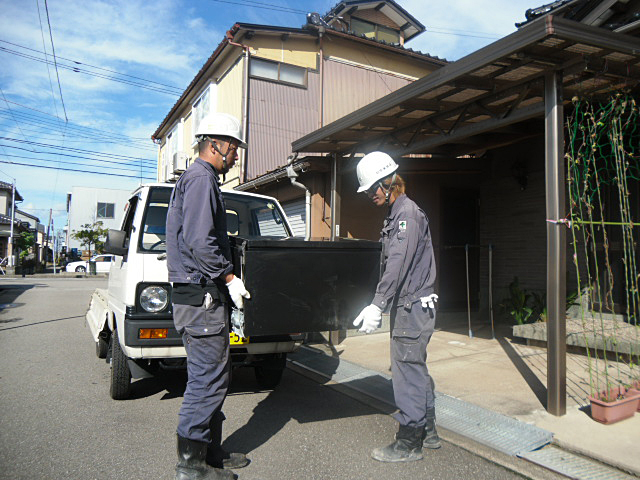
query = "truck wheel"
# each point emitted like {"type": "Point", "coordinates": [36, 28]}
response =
{"type": "Point", "coordinates": [269, 372]}
{"type": "Point", "coordinates": [120, 373]}
{"type": "Point", "coordinates": [102, 347]}
{"type": "Point", "coordinates": [81, 269]}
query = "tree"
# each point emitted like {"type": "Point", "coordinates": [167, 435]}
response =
{"type": "Point", "coordinates": [24, 242]}
{"type": "Point", "coordinates": [91, 234]}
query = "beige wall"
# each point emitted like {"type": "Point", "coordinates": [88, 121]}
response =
{"type": "Point", "coordinates": [5, 203]}
{"type": "Point", "coordinates": [300, 52]}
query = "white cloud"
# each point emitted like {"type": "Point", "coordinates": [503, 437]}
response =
{"type": "Point", "coordinates": [465, 20]}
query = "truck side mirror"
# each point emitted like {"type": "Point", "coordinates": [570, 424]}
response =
{"type": "Point", "coordinates": [115, 242]}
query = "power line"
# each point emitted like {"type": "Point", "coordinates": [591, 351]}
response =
{"type": "Point", "coordinates": [30, 120]}
{"type": "Point", "coordinates": [122, 165]}
{"type": "Point", "coordinates": [12, 115]}
{"type": "Point", "coordinates": [92, 74]}
{"type": "Point", "coordinates": [107, 168]}
{"type": "Point", "coordinates": [146, 139]}
{"type": "Point", "coordinates": [84, 139]}
{"type": "Point", "coordinates": [268, 6]}
{"type": "Point", "coordinates": [76, 171]}
{"type": "Point", "coordinates": [178, 89]}
{"type": "Point", "coordinates": [53, 50]}
{"type": "Point", "coordinates": [114, 156]}
{"type": "Point", "coordinates": [44, 47]}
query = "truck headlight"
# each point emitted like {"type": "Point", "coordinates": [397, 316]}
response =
{"type": "Point", "coordinates": [154, 299]}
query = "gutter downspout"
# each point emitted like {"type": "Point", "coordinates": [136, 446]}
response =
{"type": "Point", "coordinates": [245, 95]}
{"type": "Point", "coordinates": [307, 194]}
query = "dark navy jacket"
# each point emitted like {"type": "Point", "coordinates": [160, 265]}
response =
{"type": "Point", "coordinates": [410, 267]}
{"type": "Point", "coordinates": [197, 243]}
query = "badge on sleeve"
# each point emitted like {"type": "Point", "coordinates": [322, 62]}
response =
{"type": "Point", "coordinates": [402, 225]}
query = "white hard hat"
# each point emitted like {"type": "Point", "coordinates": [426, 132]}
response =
{"type": "Point", "coordinates": [374, 166]}
{"type": "Point", "coordinates": [220, 125]}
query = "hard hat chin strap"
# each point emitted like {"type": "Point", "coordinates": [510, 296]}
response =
{"type": "Point", "coordinates": [225, 165]}
{"type": "Point", "coordinates": [387, 191]}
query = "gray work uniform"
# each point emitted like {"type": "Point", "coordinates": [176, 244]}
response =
{"type": "Point", "coordinates": [198, 258]}
{"type": "Point", "coordinates": [409, 274]}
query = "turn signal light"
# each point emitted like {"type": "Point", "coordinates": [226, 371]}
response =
{"type": "Point", "coordinates": [153, 333]}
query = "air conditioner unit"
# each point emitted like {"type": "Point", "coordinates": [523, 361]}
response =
{"type": "Point", "coordinates": [180, 162]}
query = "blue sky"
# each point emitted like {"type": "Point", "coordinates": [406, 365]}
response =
{"type": "Point", "coordinates": [166, 41]}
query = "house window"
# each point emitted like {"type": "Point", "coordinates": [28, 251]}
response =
{"type": "Point", "coordinates": [278, 72]}
{"type": "Point", "coordinates": [374, 31]}
{"type": "Point", "coordinates": [200, 108]}
{"type": "Point", "coordinates": [105, 210]}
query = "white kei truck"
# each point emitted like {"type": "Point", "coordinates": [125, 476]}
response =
{"type": "Point", "coordinates": [297, 286]}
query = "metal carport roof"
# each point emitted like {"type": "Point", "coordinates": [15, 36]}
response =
{"type": "Point", "coordinates": [487, 98]}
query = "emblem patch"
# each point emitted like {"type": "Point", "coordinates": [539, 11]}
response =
{"type": "Point", "coordinates": [402, 225]}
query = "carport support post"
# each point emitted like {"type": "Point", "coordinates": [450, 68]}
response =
{"type": "Point", "coordinates": [556, 246]}
{"type": "Point", "coordinates": [335, 336]}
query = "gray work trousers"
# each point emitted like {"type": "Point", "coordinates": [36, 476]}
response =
{"type": "Point", "coordinates": [413, 387]}
{"type": "Point", "coordinates": [206, 340]}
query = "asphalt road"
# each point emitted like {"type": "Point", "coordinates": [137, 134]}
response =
{"type": "Point", "coordinates": [58, 421]}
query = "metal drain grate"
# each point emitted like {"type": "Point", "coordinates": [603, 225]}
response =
{"type": "Point", "coordinates": [574, 466]}
{"type": "Point", "coordinates": [489, 428]}
{"type": "Point", "coordinates": [484, 426]}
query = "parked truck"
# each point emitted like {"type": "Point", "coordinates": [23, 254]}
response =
{"type": "Point", "coordinates": [297, 286]}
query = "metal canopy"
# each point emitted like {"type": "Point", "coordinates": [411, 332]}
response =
{"type": "Point", "coordinates": [488, 98]}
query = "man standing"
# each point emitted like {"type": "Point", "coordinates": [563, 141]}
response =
{"type": "Point", "coordinates": [200, 269]}
{"type": "Point", "coordinates": [406, 290]}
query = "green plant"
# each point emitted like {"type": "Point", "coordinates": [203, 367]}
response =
{"type": "Point", "coordinates": [24, 242]}
{"type": "Point", "coordinates": [516, 304]}
{"type": "Point", "coordinates": [539, 306]}
{"type": "Point", "coordinates": [91, 234]}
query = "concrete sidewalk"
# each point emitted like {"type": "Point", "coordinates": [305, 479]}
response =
{"type": "Point", "coordinates": [509, 378]}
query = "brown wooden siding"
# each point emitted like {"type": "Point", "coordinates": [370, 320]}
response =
{"type": "Point", "coordinates": [278, 115]}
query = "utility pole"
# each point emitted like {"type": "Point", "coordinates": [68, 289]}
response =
{"type": "Point", "coordinates": [46, 240]}
{"type": "Point", "coordinates": [13, 218]}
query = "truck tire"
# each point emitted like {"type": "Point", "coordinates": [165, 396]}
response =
{"type": "Point", "coordinates": [269, 372]}
{"type": "Point", "coordinates": [120, 374]}
{"type": "Point", "coordinates": [102, 347]}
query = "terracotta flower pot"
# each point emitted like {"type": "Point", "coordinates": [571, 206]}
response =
{"type": "Point", "coordinates": [608, 412]}
{"type": "Point", "coordinates": [635, 390]}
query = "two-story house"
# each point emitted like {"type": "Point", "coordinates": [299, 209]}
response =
{"type": "Point", "coordinates": [6, 207]}
{"type": "Point", "coordinates": [284, 83]}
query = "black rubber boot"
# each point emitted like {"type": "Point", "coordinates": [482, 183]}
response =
{"type": "Point", "coordinates": [220, 458]}
{"type": "Point", "coordinates": [406, 448]}
{"type": "Point", "coordinates": [217, 456]}
{"type": "Point", "coordinates": [430, 438]}
{"type": "Point", "coordinates": [192, 465]}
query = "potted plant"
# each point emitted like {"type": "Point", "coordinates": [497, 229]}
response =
{"type": "Point", "coordinates": [613, 405]}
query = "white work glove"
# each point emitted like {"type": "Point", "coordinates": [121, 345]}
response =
{"type": "Point", "coordinates": [237, 291]}
{"type": "Point", "coordinates": [429, 301]}
{"type": "Point", "coordinates": [370, 317]}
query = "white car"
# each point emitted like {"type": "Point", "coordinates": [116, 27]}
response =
{"type": "Point", "coordinates": [103, 264]}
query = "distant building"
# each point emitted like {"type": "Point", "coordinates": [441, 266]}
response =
{"type": "Point", "coordinates": [6, 196]}
{"type": "Point", "coordinates": [33, 225]}
{"type": "Point", "coordinates": [89, 205]}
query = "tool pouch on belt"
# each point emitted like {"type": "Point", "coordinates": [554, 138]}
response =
{"type": "Point", "coordinates": [193, 293]}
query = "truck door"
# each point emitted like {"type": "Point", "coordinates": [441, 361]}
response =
{"type": "Point", "coordinates": [117, 274]}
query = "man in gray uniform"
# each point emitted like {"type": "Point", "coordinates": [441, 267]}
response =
{"type": "Point", "coordinates": [406, 290]}
{"type": "Point", "coordinates": [200, 269]}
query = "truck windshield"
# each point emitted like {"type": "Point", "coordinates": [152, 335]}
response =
{"type": "Point", "coordinates": [247, 215]}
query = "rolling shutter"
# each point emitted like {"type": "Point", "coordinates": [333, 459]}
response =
{"type": "Point", "coordinates": [295, 212]}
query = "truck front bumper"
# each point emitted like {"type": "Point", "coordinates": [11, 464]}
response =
{"type": "Point", "coordinates": [172, 347]}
